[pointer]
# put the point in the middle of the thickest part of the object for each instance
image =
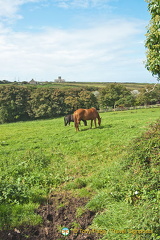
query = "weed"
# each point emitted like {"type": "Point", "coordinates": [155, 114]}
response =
{"type": "Point", "coordinates": [80, 211]}
{"type": "Point", "coordinates": [75, 225]}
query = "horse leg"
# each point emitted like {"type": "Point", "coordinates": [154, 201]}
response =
{"type": "Point", "coordinates": [85, 122]}
{"type": "Point", "coordinates": [95, 123]}
{"type": "Point", "coordinates": [91, 123]}
{"type": "Point", "coordinates": [76, 124]}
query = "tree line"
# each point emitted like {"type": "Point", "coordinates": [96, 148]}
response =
{"type": "Point", "coordinates": [19, 103]}
{"type": "Point", "coordinates": [24, 103]}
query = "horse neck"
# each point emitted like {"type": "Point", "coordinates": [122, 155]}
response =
{"type": "Point", "coordinates": [98, 116]}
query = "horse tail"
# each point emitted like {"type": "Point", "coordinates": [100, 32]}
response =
{"type": "Point", "coordinates": [75, 120]}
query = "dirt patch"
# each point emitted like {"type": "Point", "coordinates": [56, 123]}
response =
{"type": "Point", "coordinates": [59, 212]}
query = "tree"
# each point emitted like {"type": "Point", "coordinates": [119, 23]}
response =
{"type": "Point", "coordinates": [72, 104]}
{"type": "Point", "coordinates": [126, 101]}
{"type": "Point", "coordinates": [13, 103]}
{"type": "Point", "coordinates": [87, 99]}
{"type": "Point", "coordinates": [39, 103]}
{"type": "Point", "coordinates": [149, 96]}
{"type": "Point", "coordinates": [153, 39]}
{"type": "Point", "coordinates": [46, 103]}
{"type": "Point", "coordinates": [115, 94]}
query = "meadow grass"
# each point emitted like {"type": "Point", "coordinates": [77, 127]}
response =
{"type": "Point", "coordinates": [98, 85]}
{"type": "Point", "coordinates": [39, 157]}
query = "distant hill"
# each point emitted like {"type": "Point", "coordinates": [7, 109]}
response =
{"type": "Point", "coordinates": [95, 85]}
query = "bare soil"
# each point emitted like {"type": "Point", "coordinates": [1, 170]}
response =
{"type": "Point", "coordinates": [59, 212]}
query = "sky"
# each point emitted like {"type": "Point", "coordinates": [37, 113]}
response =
{"type": "Point", "coordinates": [79, 40]}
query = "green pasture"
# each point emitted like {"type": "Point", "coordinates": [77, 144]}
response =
{"type": "Point", "coordinates": [98, 85]}
{"type": "Point", "coordinates": [43, 156]}
{"type": "Point", "coordinates": [130, 86]}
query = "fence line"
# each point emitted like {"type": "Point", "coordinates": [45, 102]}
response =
{"type": "Point", "coordinates": [120, 108]}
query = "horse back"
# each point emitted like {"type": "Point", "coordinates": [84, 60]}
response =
{"type": "Point", "coordinates": [86, 114]}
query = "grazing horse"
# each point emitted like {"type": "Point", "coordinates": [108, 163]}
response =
{"type": "Point", "coordinates": [70, 118]}
{"type": "Point", "coordinates": [86, 114]}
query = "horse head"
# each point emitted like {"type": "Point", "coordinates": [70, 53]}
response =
{"type": "Point", "coordinates": [65, 121]}
{"type": "Point", "coordinates": [99, 121]}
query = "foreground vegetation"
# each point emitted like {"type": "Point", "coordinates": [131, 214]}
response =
{"type": "Point", "coordinates": [127, 194]}
{"type": "Point", "coordinates": [43, 156]}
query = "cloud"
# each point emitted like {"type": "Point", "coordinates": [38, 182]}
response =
{"type": "Point", "coordinates": [93, 54]}
{"type": "Point", "coordinates": [9, 8]}
{"type": "Point", "coordinates": [106, 50]}
{"type": "Point", "coordinates": [82, 3]}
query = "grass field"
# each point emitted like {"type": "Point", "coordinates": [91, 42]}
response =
{"type": "Point", "coordinates": [97, 85]}
{"type": "Point", "coordinates": [130, 86]}
{"type": "Point", "coordinates": [38, 157]}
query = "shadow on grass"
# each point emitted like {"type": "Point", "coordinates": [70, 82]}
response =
{"type": "Point", "coordinates": [87, 129]}
{"type": "Point", "coordinates": [108, 126]}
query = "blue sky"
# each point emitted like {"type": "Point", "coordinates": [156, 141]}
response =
{"type": "Point", "coordinates": [80, 40]}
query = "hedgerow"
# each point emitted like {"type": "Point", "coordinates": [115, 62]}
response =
{"type": "Point", "coordinates": [128, 196]}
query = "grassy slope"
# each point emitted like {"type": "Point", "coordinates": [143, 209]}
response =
{"type": "Point", "coordinates": [38, 156]}
{"type": "Point", "coordinates": [69, 85]}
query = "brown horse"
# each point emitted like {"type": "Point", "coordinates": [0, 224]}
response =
{"type": "Point", "coordinates": [86, 114]}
